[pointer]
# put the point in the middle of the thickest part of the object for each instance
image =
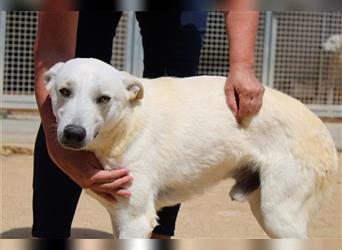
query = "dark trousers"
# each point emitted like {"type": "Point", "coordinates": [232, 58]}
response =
{"type": "Point", "coordinates": [172, 42]}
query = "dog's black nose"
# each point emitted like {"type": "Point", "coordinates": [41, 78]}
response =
{"type": "Point", "coordinates": [74, 134]}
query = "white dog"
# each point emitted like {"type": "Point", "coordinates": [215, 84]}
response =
{"type": "Point", "coordinates": [333, 43]}
{"type": "Point", "coordinates": [333, 84]}
{"type": "Point", "coordinates": [178, 137]}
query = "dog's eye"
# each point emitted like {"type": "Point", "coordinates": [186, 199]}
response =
{"type": "Point", "coordinates": [65, 92]}
{"type": "Point", "coordinates": [103, 99]}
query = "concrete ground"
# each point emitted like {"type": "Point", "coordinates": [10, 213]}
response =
{"type": "Point", "coordinates": [211, 215]}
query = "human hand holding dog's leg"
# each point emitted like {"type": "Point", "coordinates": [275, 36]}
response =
{"type": "Point", "coordinates": [112, 187]}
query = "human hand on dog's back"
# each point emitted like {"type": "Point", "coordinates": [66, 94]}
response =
{"type": "Point", "coordinates": [55, 42]}
{"type": "Point", "coordinates": [243, 90]}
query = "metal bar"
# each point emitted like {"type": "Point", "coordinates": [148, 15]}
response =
{"type": "Point", "coordinates": [330, 92]}
{"type": "Point", "coordinates": [2, 49]}
{"type": "Point", "coordinates": [273, 46]}
{"type": "Point", "coordinates": [2, 61]}
{"type": "Point", "coordinates": [323, 30]}
{"type": "Point", "coordinates": [326, 110]}
{"type": "Point", "coordinates": [267, 45]}
{"type": "Point", "coordinates": [129, 41]}
{"type": "Point", "coordinates": [22, 101]}
{"type": "Point", "coordinates": [18, 102]}
{"type": "Point", "coordinates": [131, 5]}
{"type": "Point", "coordinates": [137, 55]}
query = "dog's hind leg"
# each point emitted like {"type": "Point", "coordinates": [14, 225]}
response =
{"type": "Point", "coordinates": [254, 204]}
{"type": "Point", "coordinates": [247, 188]}
{"type": "Point", "coordinates": [287, 190]}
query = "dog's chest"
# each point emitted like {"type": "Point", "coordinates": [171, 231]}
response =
{"type": "Point", "coordinates": [108, 162]}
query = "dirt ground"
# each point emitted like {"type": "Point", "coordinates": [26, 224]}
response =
{"type": "Point", "coordinates": [211, 215]}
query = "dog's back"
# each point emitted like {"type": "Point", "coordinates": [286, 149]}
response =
{"type": "Point", "coordinates": [199, 141]}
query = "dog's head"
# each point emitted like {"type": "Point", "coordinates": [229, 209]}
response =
{"type": "Point", "coordinates": [88, 96]}
{"type": "Point", "coordinates": [333, 44]}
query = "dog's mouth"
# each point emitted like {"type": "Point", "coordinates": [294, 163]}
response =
{"type": "Point", "coordinates": [96, 134]}
{"type": "Point", "coordinates": [72, 146]}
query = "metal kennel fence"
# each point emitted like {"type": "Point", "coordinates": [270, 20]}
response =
{"type": "Point", "coordinates": [17, 35]}
{"type": "Point", "coordinates": [289, 55]}
{"type": "Point", "coordinates": [214, 55]}
{"type": "Point", "coordinates": [302, 68]}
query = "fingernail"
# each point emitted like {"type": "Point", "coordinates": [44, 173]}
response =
{"type": "Point", "coordinates": [124, 192]}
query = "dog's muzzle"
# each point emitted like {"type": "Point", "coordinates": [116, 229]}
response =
{"type": "Point", "coordinates": [73, 136]}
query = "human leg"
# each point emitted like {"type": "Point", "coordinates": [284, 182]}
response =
{"type": "Point", "coordinates": [172, 43]}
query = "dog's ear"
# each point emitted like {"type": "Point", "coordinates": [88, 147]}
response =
{"type": "Point", "coordinates": [134, 87]}
{"type": "Point", "coordinates": [50, 75]}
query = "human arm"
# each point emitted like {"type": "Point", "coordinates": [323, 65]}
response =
{"type": "Point", "coordinates": [243, 90]}
{"type": "Point", "coordinates": [55, 42]}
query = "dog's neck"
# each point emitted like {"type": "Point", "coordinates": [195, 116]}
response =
{"type": "Point", "coordinates": [112, 143]}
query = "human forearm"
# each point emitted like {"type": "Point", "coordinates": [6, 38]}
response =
{"type": "Point", "coordinates": [242, 27]}
{"type": "Point", "coordinates": [243, 90]}
{"type": "Point", "coordinates": [55, 42]}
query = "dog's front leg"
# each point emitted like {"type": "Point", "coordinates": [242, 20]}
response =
{"type": "Point", "coordinates": [112, 216]}
{"type": "Point", "coordinates": [138, 219]}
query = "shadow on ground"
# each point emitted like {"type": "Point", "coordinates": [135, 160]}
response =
{"type": "Point", "coordinates": [76, 233]}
